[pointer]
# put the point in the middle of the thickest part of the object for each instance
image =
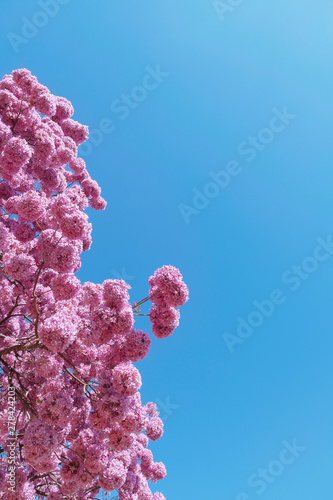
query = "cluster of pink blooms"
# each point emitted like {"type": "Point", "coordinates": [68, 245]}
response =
{"type": "Point", "coordinates": [67, 348]}
{"type": "Point", "coordinates": [167, 291]}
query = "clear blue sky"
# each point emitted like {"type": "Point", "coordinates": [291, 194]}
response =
{"type": "Point", "coordinates": [245, 94]}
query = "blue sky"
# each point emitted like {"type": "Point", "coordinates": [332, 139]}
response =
{"type": "Point", "coordinates": [204, 83]}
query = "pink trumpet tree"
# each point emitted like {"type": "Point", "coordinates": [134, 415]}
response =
{"type": "Point", "coordinates": [72, 423]}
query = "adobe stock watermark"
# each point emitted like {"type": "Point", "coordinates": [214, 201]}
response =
{"type": "Point", "coordinates": [249, 148]}
{"type": "Point", "coordinates": [123, 106]}
{"type": "Point", "coordinates": [166, 408]}
{"type": "Point", "coordinates": [11, 440]}
{"type": "Point", "coordinates": [30, 27]}
{"type": "Point", "coordinates": [225, 7]}
{"type": "Point", "coordinates": [263, 477]}
{"type": "Point", "coordinates": [293, 278]}
{"type": "Point", "coordinates": [122, 275]}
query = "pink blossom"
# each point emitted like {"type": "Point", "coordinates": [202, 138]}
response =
{"type": "Point", "coordinates": [11, 204]}
{"type": "Point", "coordinates": [117, 440]}
{"type": "Point", "coordinates": [44, 144]}
{"type": "Point", "coordinates": [46, 104]}
{"type": "Point", "coordinates": [91, 188]}
{"type": "Point", "coordinates": [69, 474]}
{"type": "Point", "coordinates": [112, 408]}
{"type": "Point", "coordinates": [86, 242]}
{"type": "Point", "coordinates": [15, 155]}
{"type": "Point", "coordinates": [127, 489]}
{"type": "Point", "coordinates": [46, 465]}
{"type": "Point", "coordinates": [22, 182]}
{"type": "Point", "coordinates": [137, 345]}
{"type": "Point", "coordinates": [167, 286]}
{"type": "Point", "coordinates": [62, 155]}
{"type": "Point", "coordinates": [97, 203]}
{"type": "Point", "coordinates": [9, 107]}
{"type": "Point", "coordinates": [164, 320]}
{"type": "Point", "coordinates": [39, 440]}
{"type": "Point", "coordinates": [115, 293]}
{"type": "Point", "coordinates": [57, 333]}
{"type": "Point", "coordinates": [77, 197]}
{"type": "Point", "coordinates": [51, 180]}
{"type": "Point", "coordinates": [108, 323]}
{"type": "Point", "coordinates": [5, 135]}
{"type": "Point", "coordinates": [60, 205]}
{"type": "Point", "coordinates": [64, 258]}
{"type": "Point", "coordinates": [126, 379]}
{"type": "Point", "coordinates": [70, 144]}
{"type": "Point", "coordinates": [75, 130]}
{"type": "Point", "coordinates": [143, 440]}
{"type": "Point", "coordinates": [143, 490]}
{"type": "Point", "coordinates": [31, 206]}
{"type": "Point", "coordinates": [6, 191]}
{"type": "Point", "coordinates": [125, 456]}
{"type": "Point", "coordinates": [154, 428]}
{"type": "Point", "coordinates": [24, 232]}
{"type": "Point", "coordinates": [44, 301]}
{"type": "Point", "coordinates": [8, 83]}
{"type": "Point", "coordinates": [19, 266]}
{"type": "Point", "coordinates": [78, 165]}
{"type": "Point", "coordinates": [74, 225]}
{"type": "Point", "coordinates": [92, 293]}
{"type": "Point", "coordinates": [28, 83]}
{"type": "Point", "coordinates": [65, 286]}
{"type": "Point", "coordinates": [134, 421]}
{"type": "Point", "coordinates": [4, 234]}
{"type": "Point", "coordinates": [84, 477]}
{"type": "Point", "coordinates": [48, 365]}
{"type": "Point", "coordinates": [96, 458]}
{"type": "Point", "coordinates": [46, 276]}
{"type": "Point", "coordinates": [113, 477]}
{"type": "Point", "coordinates": [63, 107]}
{"type": "Point", "coordinates": [56, 409]}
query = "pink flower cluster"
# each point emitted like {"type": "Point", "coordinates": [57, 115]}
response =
{"type": "Point", "coordinates": [68, 349]}
{"type": "Point", "coordinates": [167, 291]}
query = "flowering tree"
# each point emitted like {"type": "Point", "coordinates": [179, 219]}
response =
{"type": "Point", "coordinates": [71, 418]}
